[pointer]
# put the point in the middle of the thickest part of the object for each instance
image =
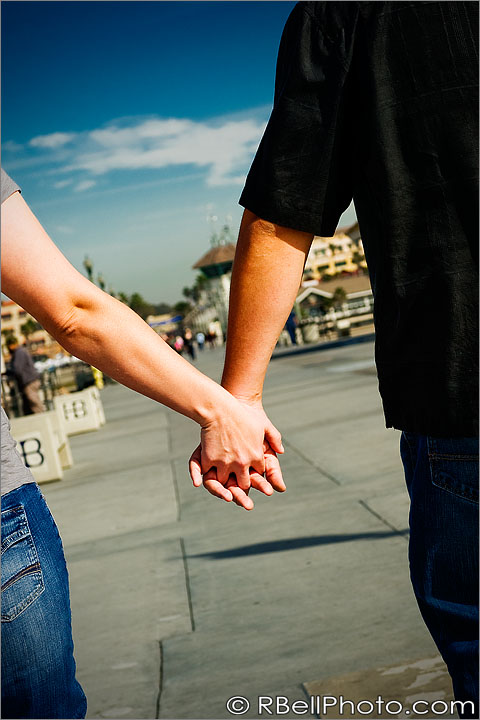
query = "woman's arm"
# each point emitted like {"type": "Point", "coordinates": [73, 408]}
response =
{"type": "Point", "coordinates": [105, 333]}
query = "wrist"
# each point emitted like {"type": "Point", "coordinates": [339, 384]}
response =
{"type": "Point", "coordinates": [213, 405]}
{"type": "Point", "coordinates": [245, 395]}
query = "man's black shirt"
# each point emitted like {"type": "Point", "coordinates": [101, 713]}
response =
{"type": "Point", "coordinates": [378, 101]}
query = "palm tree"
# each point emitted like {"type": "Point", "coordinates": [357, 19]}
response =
{"type": "Point", "coordinates": [88, 265]}
{"type": "Point", "coordinates": [357, 257]}
{"type": "Point", "coordinates": [9, 336]}
{"type": "Point", "coordinates": [28, 328]}
{"type": "Point", "coordinates": [339, 297]}
{"type": "Point", "coordinates": [182, 308]}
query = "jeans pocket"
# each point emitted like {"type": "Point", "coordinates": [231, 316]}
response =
{"type": "Point", "coordinates": [454, 466]}
{"type": "Point", "coordinates": [22, 578]}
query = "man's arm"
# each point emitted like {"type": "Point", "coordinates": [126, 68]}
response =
{"type": "Point", "coordinates": [267, 272]}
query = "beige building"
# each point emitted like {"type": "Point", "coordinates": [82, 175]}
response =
{"type": "Point", "coordinates": [314, 299]}
{"type": "Point", "coordinates": [13, 317]}
{"type": "Point", "coordinates": [330, 256]}
{"type": "Point", "coordinates": [344, 304]}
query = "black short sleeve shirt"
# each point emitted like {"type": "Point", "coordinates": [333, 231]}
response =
{"type": "Point", "coordinates": [378, 102]}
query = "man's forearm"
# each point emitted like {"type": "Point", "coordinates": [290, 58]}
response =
{"type": "Point", "coordinates": [267, 272]}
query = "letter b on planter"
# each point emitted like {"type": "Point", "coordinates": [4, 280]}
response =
{"type": "Point", "coordinates": [78, 412]}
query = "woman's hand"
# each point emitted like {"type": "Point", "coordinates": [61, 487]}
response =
{"type": "Point", "coordinates": [236, 476]}
{"type": "Point", "coordinates": [231, 491]}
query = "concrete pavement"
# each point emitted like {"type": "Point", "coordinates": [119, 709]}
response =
{"type": "Point", "coordinates": [181, 601]}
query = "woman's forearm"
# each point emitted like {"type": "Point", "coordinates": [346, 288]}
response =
{"type": "Point", "coordinates": [107, 334]}
{"type": "Point", "coordinates": [93, 325]}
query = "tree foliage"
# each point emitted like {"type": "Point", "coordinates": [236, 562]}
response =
{"type": "Point", "coordinates": [29, 327]}
{"type": "Point", "coordinates": [140, 305]}
{"type": "Point", "coordinates": [339, 296]}
{"type": "Point", "coordinates": [182, 308]}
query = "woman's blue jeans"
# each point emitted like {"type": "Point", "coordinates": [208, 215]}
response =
{"type": "Point", "coordinates": [38, 669]}
{"type": "Point", "coordinates": [442, 480]}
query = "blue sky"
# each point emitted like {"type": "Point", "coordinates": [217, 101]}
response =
{"type": "Point", "coordinates": [130, 125]}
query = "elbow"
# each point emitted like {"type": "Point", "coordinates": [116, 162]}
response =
{"type": "Point", "coordinates": [68, 329]}
{"type": "Point", "coordinates": [77, 324]}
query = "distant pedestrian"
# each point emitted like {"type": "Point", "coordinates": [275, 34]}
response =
{"type": "Point", "coordinates": [200, 338]}
{"type": "Point", "coordinates": [27, 377]}
{"type": "Point", "coordinates": [291, 327]}
{"type": "Point", "coordinates": [170, 340]}
{"type": "Point", "coordinates": [178, 344]}
{"type": "Point", "coordinates": [211, 338]}
{"type": "Point", "coordinates": [188, 343]}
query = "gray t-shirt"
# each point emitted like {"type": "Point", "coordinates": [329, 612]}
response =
{"type": "Point", "coordinates": [7, 186]}
{"type": "Point", "coordinates": [14, 472]}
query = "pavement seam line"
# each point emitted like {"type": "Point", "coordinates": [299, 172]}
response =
{"type": "Point", "coordinates": [402, 533]}
{"type": "Point", "coordinates": [187, 583]}
{"type": "Point", "coordinates": [172, 465]}
{"type": "Point", "coordinates": [310, 462]}
{"type": "Point", "coordinates": [160, 681]}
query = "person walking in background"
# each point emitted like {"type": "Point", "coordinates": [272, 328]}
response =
{"type": "Point", "coordinates": [291, 327]}
{"type": "Point", "coordinates": [179, 344]}
{"type": "Point", "coordinates": [200, 338]}
{"type": "Point", "coordinates": [188, 343]}
{"type": "Point", "coordinates": [27, 377]}
{"type": "Point", "coordinates": [378, 101]}
{"type": "Point", "coordinates": [38, 667]}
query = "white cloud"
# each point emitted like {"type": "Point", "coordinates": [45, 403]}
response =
{"type": "Point", "coordinates": [223, 148]}
{"type": "Point", "coordinates": [12, 146]}
{"type": "Point", "coordinates": [84, 185]}
{"type": "Point", "coordinates": [51, 141]}
{"type": "Point", "coordinates": [62, 183]}
{"type": "Point", "coordinates": [65, 229]}
{"type": "Point", "coordinates": [155, 128]}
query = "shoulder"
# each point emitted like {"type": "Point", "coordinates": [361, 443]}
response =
{"type": "Point", "coordinates": [330, 12]}
{"type": "Point", "coordinates": [7, 185]}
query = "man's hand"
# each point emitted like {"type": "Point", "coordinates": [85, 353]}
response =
{"type": "Point", "coordinates": [230, 491]}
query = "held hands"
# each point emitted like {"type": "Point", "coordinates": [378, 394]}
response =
{"type": "Point", "coordinates": [238, 452]}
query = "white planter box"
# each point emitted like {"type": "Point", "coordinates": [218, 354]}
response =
{"type": "Point", "coordinates": [78, 412]}
{"type": "Point", "coordinates": [38, 444]}
{"type": "Point", "coordinates": [311, 333]}
{"type": "Point", "coordinates": [98, 403]}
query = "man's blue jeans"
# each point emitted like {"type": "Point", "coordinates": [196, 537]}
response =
{"type": "Point", "coordinates": [442, 480]}
{"type": "Point", "coordinates": [38, 669]}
